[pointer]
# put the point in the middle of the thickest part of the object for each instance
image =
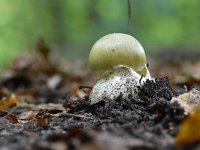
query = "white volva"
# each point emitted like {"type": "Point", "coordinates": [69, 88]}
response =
{"type": "Point", "coordinates": [122, 82]}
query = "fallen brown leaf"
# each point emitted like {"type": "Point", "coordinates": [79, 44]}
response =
{"type": "Point", "coordinates": [12, 117]}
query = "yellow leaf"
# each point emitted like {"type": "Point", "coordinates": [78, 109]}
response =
{"type": "Point", "coordinates": [189, 130]}
{"type": "Point", "coordinates": [13, 99]}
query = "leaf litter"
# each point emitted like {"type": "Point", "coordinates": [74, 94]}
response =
{"type": "Point", "coordinates": [45, 105]}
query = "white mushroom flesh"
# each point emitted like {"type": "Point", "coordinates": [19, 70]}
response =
{"type": "Point", "coordinates": [124, 81]}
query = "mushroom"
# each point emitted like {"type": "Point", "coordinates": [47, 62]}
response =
{"type": "Point", "coordinates": [120, 61]}
{"type": "Point", "coordinates": [117, 49]}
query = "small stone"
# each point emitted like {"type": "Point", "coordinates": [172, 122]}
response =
{"type": "Point", "coordinates": [189, 101]}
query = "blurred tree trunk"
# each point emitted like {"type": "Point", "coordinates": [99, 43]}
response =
{"type": "Point", "coordinates": [56, 9]}
{"type": "Point", "coordinates": [93, 14]}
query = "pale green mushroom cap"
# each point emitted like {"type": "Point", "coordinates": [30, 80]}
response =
{"type": "Point", "coordinates": [117, 49]}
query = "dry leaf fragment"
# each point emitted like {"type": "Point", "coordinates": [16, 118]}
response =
{"type": "Point", "coordinates": [12, 117]}
{"type": "Point", "coordinates": [86, 89]}
{"type": "Point", "coordinates": [28, 115]}
{"type": "Point", "coordinates": [43, 118]}
{"type": "Point", "coordinates": [12, 100]}
{"type": "Point", "coordinates": [189, 130]}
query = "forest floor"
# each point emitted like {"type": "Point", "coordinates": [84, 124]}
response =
{"type": "Point", "coordinates": [45, 105]}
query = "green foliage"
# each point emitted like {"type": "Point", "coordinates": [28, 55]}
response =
{"type": "Point", "coordinates": [71, 27]}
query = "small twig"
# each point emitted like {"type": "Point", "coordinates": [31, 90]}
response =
{"type": "Point", "coordinates": [4, 111]}
{"type": "Point", "coordinates": [73, 115]}
{"type": "Point", "coordinates": [8, 112]}
{"type": "Point", "coordinates": [129, 15]}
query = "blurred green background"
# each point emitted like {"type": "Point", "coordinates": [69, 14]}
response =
{"type": "Point", "coordinates": [70, 27]}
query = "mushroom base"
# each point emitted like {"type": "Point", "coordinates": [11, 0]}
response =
{"type": "Point", "coordinates": [124, 81]}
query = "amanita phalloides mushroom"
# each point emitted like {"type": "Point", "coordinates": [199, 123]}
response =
{"type": "Point", "coordinates": [120, 60]}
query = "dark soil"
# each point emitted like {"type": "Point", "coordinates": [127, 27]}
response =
{"type": "Point", "coordinates": [148, 122]}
